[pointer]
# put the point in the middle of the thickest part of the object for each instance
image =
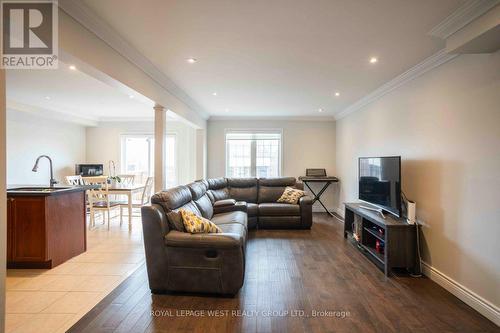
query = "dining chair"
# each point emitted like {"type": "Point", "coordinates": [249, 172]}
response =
{"type": "Point", "coordinates": [74, 180]}
{"type": "Point", "coordinates": [99, 201]}
{"type": "Point", "coordinates": [143, 199]}
{"type": "Point", "coordinates": [127, 179]}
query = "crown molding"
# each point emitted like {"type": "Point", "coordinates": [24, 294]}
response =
{"type": "Point", "coordinates": [50, 114]}
{"type": "Point", "coordinates": [465, 14]}
{"type": "Point", "coordinates": [429, 63]}
{"type": "Point", "coordinates": [276, 118]}
{"type": "Point", "coordinates": [87, 18]}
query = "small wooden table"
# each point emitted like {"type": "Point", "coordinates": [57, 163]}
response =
{"type": "Point", "coordinates": [128, 190]}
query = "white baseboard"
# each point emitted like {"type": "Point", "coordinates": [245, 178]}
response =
{"type": "Point", "coordinates": [484, 307]}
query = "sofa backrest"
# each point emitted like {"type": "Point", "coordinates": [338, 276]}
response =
{"type": "Point", "coordinates": [243, 189]}
{"type": "Point", "coordinates": [217, 189]}
{"type": "Point", "coordinates": [173, 199]}
{"type": "Point", "coordinates": [200, 197]}
{"type": "Point", "coordinates": [271, 189]}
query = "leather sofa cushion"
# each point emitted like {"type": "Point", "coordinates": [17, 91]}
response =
{"type": "Point", "coordinates": [198, 189]}
{"type": "Point", "coordinates": [225, 202]}
{"type": "Point", "coordinates": [217, 195]}
{"type": "Point", "coordinates": [230, 217]}
{"type": "Point", "coordinates": [205, 206]}
{"type": "Point", "coordinates": [278, 209]}
{"type": "Point", "coordinates": [234, 228]}
{"type": "Point", "coordinates": [243, 189]}
{"type": "Point", "coordinates": [172, 199]}
{"type": "Point", "coordinates": [217, 183]}
{"type": "Point", "coordinates": [252, 209]}
{"type": "Point", "coordinates": [279, 181]}
{"type": "Point", "coordinates": [271, 189]}
{"type": "Point", "coordinates": [217, 241]}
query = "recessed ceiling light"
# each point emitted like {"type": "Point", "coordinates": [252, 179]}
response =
{"type": "Point", "coordinates": [337, 94]}
{"type": "Point", "coordinates": [130, 96]}
{"type": "Point", "coordinates": [191, 60]}
{"type": "Point", "coordinates": [226, 110]}
{"type": "Point", "coordinates": [320, 110]}
{"type": "Point", "coordinates": [373, 60]}
{"type": "Point", "coordinates": [214, 93]}
{"type": "Point", "coordinates": [47, 97]}
{"type": "Point", "coordinates": [72, 67]}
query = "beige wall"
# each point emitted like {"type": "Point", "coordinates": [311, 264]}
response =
{"type": "Point", "coordinates": [104, 144]}
{"type": "Point", "coordinates": [446, 127]}
{"type": "Point", "coordinates": [29, 136]}
{"type": "Point", "coordinates": [306, 144]}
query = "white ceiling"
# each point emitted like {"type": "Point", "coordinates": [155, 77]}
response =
{"type": "Point", "coordinates": [280, 57]}
{"type": "Point", "coordinates": [72, 92]}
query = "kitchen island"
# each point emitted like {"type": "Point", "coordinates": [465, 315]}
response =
{"type": "Point", "coordinates": [45, 225]}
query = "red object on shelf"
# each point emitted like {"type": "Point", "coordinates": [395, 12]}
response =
{"type": "Point", "coordinates": [377, 246]}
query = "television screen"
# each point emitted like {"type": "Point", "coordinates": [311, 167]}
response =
{"type": "Point", "coordinates": [380, 182]}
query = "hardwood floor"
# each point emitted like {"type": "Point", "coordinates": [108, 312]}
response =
{"type": "Point", "coordinates": [290, 276]}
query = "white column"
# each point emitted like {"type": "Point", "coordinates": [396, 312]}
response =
{"type": "Point", "coordinates": [201, 153]}
{"type": "Point", "coordinates": [160, 142]}
{"type": "Point", "coordinates": [3, 199]}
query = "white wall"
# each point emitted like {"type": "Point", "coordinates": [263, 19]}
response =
{"type": "Point", "coordinates": [3, 199]}
{"type": "Point", "coordinates": [446, 127]}
{"type": "Point", "coordinates": [306, 144]}
{"type": "Point", "coordinates": [29, 136]}
{"type": "Point", "coordinates": [104, 144]}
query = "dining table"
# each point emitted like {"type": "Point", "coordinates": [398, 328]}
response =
{"type": "Point", "coordinates": [127, 190]}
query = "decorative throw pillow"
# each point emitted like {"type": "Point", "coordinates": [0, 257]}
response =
{"type": "Point", "coordinates": [175, 221]}
{"type": "Point", "coordinates": [291, 195]}
{"type": "Point", "coordinates": [196, 224]}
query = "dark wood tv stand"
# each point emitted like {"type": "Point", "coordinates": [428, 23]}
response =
{"type": "Point", "coordinates": [398, 236]}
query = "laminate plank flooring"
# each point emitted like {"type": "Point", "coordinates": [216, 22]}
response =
{"type": "Point", "coordinates": [295, 281]}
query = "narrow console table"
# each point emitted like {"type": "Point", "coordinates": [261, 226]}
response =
{"type": "Point", "coordinates": [389, 242]}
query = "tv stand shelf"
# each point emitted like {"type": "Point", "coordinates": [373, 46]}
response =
{"type": "Point", "coordinates": [397, 236]}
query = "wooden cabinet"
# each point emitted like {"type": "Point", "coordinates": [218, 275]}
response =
{"type": "Point", "coordinates": [44, 231]}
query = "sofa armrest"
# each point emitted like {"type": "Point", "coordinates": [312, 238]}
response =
{"type": "Point", "coordinates": [305, 204]}
{"type": "Point", "coordinates": [225, 202]}
{"type": "Point", "coordinates": [154, 228]}
{"type": "Point", "coordinates": [237, 206]}
{"type": "Point", "coordinates": [211, 241]}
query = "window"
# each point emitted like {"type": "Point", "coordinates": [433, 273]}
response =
{"type": "Point", "coordinates": [253, 153]}
{"type": "Point", "coordinates": [137, 157]}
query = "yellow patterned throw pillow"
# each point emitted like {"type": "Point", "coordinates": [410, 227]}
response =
{"type": "Point", "coordinates": [196, 224]}
{"type": "Point", "coordinates": [291, 195]}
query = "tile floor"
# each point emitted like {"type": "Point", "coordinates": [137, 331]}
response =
{"type": "Point", "coordinates": [53, 300]}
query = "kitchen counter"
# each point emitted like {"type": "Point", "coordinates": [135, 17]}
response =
{"type": "Point", "coordinates": [38, 190]}
{"type": "Point", "coordinates": [45, 226]}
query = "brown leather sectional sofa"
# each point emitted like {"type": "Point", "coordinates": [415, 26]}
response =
{"type": "Point", "coordinates": [214, 263]}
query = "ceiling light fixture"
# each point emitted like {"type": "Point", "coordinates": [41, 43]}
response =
{"type": "Point", "coordinates": [337, 94]}
{"type": "Point", "coordinates": [72, 67]}
{"type": "Point", "coordinates": [320, 110]}
{"type": "Point", "coordinates": [130, 96]}
{"type": "Point", "coordinates": [214, 93]}
{"type": "Point", "coordinates": [191, 60]}
{"type": "Point", "coordinates": [373, 60]}
{"type": "Point", "coordinates": [47, 97]}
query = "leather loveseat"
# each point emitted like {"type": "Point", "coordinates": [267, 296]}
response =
{"type": "Point", "coordinates": [214, 263]}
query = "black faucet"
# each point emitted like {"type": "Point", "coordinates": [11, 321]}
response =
{"type": "Point", "coordinates": [35, 168]}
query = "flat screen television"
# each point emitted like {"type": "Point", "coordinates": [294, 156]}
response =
{"type": "Point", "coordinates": [380, 182]}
